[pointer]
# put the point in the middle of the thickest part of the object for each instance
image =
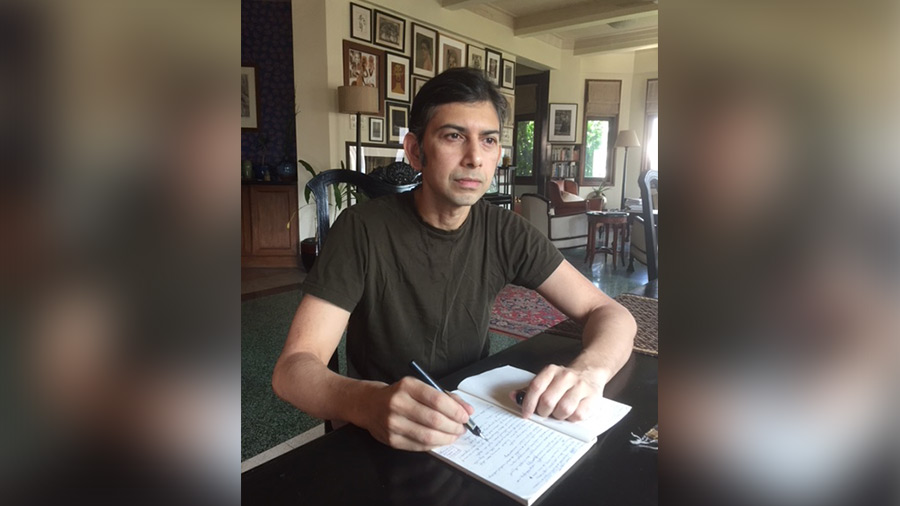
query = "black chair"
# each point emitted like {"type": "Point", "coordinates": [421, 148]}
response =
{"type": "Point", "coordinates": [369, 186]}
{"type": "Point", "coordinates": [644, 238]}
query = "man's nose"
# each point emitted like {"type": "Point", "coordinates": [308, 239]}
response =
{"type": "Point", "coordinates": [473, 155]}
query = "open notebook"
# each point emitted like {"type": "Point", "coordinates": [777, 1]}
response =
{"type": "Point", "coordinates": [521, 458]}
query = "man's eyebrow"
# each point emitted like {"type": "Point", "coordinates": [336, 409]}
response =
{"type": "Point", "coordinates": [463, 129]}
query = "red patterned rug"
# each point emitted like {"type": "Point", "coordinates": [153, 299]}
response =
{"type": "Point", "coordinates": [522, 313]}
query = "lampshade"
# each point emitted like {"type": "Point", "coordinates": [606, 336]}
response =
{"type": "Point", "coordinates": [354, 99]}
{"type": "Point", "coordinates": [627, 139]}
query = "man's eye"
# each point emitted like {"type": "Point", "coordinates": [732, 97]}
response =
{"type": "Point", "coordinates": [490, 140]}
{"type": "Point", "coordinates": [454, 136]}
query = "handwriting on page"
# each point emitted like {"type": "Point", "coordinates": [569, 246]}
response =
{"type": "Point", "coordinates": [521, 456]}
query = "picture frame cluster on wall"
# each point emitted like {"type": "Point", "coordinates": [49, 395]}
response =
{"type": "Point", "coordinates": [401, 71]}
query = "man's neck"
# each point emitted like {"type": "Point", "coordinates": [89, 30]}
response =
{"type": "Point", "coordinates": [447, 218]}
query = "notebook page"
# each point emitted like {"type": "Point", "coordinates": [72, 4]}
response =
{"type": "Point", "coordinates": [520, 457]}
{"type": "Point", "coordinates": [494, 386]}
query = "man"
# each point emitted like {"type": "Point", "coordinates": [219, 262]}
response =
{"type": "Point", "coordinates": [415, 276]}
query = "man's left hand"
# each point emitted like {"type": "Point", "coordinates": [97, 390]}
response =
{"type": "Point", "coordinates": [565, 393]}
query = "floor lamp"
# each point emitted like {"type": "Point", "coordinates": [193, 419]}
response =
{"type": "Point", "coordinates": [358, 100]}
{"type": "Point", "coordinates": [626, 139]}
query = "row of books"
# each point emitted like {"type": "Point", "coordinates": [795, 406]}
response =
{"type": "Point", "coordinates": [564, 170]}
{"type": "Point", "coordinates": [564, 153]}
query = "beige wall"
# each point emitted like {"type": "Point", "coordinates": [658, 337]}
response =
{"type": "Point", "coordinates": [322, 132]}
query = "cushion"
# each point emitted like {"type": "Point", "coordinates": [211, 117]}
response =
{"type": "Point", "coordinates": [570, 197]}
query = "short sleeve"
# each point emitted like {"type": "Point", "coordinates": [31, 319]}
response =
{"type": "Point", "coordinates": [529, 255]}
{"type": "Point", "coordinates": [338, 275]}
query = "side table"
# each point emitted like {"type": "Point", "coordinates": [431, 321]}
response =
{"type": "Point", "coordinates": [616, 223]}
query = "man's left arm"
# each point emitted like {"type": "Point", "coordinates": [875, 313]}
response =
{"type": "Point", "coordinates": [570, 392]}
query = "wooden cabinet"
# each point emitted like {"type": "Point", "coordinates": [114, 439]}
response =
{"type": "Point", "coordinates": [265, 239]}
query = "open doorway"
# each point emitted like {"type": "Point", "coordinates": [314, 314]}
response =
{"type": "Point", "coordinates": [530, 123]}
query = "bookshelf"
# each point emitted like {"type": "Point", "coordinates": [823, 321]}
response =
{"type": "Point", "coordinates": [563, 160]}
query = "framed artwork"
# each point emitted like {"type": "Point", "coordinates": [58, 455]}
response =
{"type": "Point", "coordinates": [506, 137]}
{"type": "Point", "coordinates": [562, 122]}
{"type": "Point", "coordinates": [492, 66]}
{"type": "Point", "coordinates": [397, 73]}
{"type": "Point", "coordinates": [417, 83]}
{"type": "Point", "coordinates": [360, 22]}
{"type": "Point", "coordinates": [509, 74]}
{"type": "Point", "coordinates": [510, 120]}
{"type": "Point", "coordinates": [397, 118]}
{"type": "Point", "coordinates": [362, 67]}
{"type": "Point", "coordinates": [376, 129]}
{"type": "Point", "coordinates": [390, 31]}
{"type": "Point", "coordinates": [373, 155]}
{"type": "Point", "coordinates": [249, 111]}
{"type": "Point", "coordinates": [452, 53]}
{"type": "Point", "coordinates": [424, 45]}
{"type": "Point", "coordinates": [476, 57]}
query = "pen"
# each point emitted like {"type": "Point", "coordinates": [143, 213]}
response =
{"type": "Point", "coordinates": [520, 397]}
{"type": "Point", "coordinates": [470, 425]}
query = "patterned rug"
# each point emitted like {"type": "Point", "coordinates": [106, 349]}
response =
{"type": "Point", "coordinates": [522, 313]}
{"type": "Point", "coordinates": [646, 313]}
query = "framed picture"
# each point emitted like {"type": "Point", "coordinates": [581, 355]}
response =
{"type": "Point", "coordinates": [424, 46]}
{"type": "Point", "coordinates": [249, 111]}
{"type": "Point", "coordinates": [506, 137]}
{"type": "Point", "coordinates": [509, 74]}
{"type": "Point", "coordinates": [397, 77]}
{"type": "Point", "coordinates": [562, 122]}
{"type": "Point", "coordinates": [360, 22]}
{"type": "Point", "coordinates": [373, 155]}
{"type": "Point", "coordinates": [476, 57]}
{"type": "Point", "coordinates": [390, 31]}
{"type": "Point", "coordinates": [417, 83]}
{"type": "Point", "coordinates": [397, 118]}
{"type": "Point", "coordinates": [452, 53]}
{"type": "Point", "coordinates": [362, 67]}
{"type": "Point", "coordinates": [376, 129]}
{"type": "Point", "coordinates": [492, 60]}
{"type": "Point", "coordinates": [510, 121]}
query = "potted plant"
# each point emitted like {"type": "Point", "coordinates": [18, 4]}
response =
{"type": "Point", "coordinates": [597, 197]}
{"type": "Point", "coordinates": [309, 247]}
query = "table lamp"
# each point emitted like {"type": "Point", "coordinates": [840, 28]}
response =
{"type": "Point", "coordinates": [626, 139]}
{"type": "Point", "coordinates": [358, 100]}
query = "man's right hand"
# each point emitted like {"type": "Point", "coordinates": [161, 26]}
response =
{"type": "Point", "coordinates": [410, 415]}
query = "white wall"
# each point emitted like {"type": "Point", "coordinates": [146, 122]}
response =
{"type": "Point", "coordinates": [322, 132]}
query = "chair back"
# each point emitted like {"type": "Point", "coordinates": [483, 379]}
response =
{"type": "Point", "coordinates": [367, 185]}
{"type": "Point", "coordinates": [647, 181]}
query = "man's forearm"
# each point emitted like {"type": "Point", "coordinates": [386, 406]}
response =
{"type": "Point", "coordinates": [607, 340]}
{"type": "Point", "coordinates": [304, 381]}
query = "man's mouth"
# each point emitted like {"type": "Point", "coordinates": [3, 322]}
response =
{"type": "Point", "coordinates": [469, 183]}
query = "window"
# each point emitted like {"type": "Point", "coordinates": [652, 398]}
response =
{"type": "Point", "coordinates": [525, 148]}
{"type": "Point", "coordinates": [596, 148]}
{"type": "Point", "coordinates": [601, 122]}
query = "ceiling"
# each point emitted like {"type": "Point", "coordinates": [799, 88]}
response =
{"type": "Point", "coordinates": [584, 26]}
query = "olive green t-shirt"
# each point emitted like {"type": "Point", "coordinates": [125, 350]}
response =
{"type": "Point", "coordinates": [419, 293]}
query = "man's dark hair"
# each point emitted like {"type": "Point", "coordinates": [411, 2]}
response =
{"type": "Point", "coordinates": [460, 84]}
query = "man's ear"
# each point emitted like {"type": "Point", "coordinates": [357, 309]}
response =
{"type": "Point", "coordinates": [411, 147]}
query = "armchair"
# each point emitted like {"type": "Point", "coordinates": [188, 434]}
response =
{"type": "Point", "coordinates": [561, 216]}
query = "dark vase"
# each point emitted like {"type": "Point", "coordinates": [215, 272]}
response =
{"type": "Point", "coordinates": [309, 249]}
{"type": "Point", "coordinates": [261, 171]}
{"type": "Point", "coordinates": [287, 171]}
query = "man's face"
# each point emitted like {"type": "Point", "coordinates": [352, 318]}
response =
{"type": "Point", "coordinates": [460, 150]}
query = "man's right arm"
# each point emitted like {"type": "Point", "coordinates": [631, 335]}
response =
{"type": "Point", "coordinates": [408, 415]}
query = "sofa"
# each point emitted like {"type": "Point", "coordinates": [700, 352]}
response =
{"type": "Point", "coordinates": [561, 215]}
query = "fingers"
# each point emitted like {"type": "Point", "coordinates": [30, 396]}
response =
{"type": "Point", "coordinates": [560, 392]}
{"type": "Point", "coordinates": [468, 407]}
{"type": "Point", "coordinates": [419, 417]}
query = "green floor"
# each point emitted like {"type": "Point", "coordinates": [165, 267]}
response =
{"type": "Point", "coordinates": [266, 421]}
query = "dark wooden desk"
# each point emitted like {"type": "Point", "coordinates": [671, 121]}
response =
{"type": "Point", "coordinates": [348, 466]}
